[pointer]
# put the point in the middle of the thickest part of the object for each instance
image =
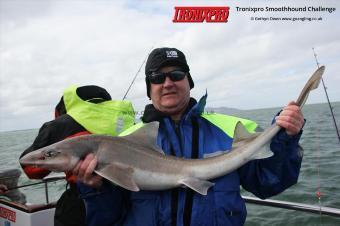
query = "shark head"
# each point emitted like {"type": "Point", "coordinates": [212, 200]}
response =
{"type": "Point", "coordinates": [54, 157]}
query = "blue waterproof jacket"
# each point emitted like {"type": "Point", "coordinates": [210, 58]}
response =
{"type": "Point", "coordinates": [223, 205]}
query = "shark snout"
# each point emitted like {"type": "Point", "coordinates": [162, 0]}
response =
{"type": "Point", "coordinates": [32, 158]}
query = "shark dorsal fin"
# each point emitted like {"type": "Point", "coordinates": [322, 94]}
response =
{"type": "Point", "coordinates": [146, 136]}
{"type": "Point", "coordinates": [240, 132]}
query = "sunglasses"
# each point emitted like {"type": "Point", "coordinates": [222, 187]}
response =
{"type": "Point", "coordinates": [159, 77]}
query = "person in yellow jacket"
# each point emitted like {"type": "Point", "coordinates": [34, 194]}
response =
{"type": "Point", "coordinates": [81, 110]}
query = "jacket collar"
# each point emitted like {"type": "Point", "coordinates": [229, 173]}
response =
{"type": "Point", "coordinates": [194, 109]}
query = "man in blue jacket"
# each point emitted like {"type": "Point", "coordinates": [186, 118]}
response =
{"type": "Point", "coordinates": [187, 132]}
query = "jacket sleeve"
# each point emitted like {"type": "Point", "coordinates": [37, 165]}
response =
{"type": "Point", "coordinates": [104, 207]}
{"type": "Point", "coordinates": [43, 139]}
{"type": "Point", "coordinates": [271, 176]}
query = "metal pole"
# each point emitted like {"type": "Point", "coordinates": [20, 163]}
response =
{"type": "Point", "coordinates": [46, 192]}
{"type": "Point", "coordinates": [41, 182]}
{"type": "Point", "coordinates": [334, 212]}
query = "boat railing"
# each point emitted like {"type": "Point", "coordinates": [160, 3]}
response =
{"type": "Point", "coordinates": [45, 181]}
{"type": "Point", "coordinates": [49, 179]}
{"type": "Point", "coordinates": [315, 209]}
{"type": "Point", "coordinates": [334, 212]}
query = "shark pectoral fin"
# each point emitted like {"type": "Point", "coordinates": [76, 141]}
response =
{"type": "Point", "coordinates": [119, 174]}
{"type": "Point", "coordinates": [264, 152]}
{"type": "Point", "coordinates": [200, 186]}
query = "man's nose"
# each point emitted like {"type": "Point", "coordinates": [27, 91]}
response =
{"type": "Point", "coordinates": [168, 82]}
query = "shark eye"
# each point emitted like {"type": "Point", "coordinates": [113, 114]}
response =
{"type": "Point", "coordinates": [51, 153]}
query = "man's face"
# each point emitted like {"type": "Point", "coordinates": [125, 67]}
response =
{"type": "Point", "coordinates": [171, 97]}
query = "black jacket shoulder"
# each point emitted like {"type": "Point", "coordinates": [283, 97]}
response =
{"type": "Point", "coordinates": [54, 131]}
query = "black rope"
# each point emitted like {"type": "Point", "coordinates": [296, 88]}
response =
{"type": "Point", "coordinates": [189, 198]}
{"type": "Point", "coordinates": [174, 199]}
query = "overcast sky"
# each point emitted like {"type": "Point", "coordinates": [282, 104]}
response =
{"type": "Point", "coordinates": [46, 45]}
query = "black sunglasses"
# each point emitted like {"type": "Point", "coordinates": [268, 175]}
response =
{"type": "Point", "coordinates": [159, 77]}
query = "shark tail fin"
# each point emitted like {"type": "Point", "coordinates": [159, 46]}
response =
{"type": "Point", "coordinates": [311, 84]}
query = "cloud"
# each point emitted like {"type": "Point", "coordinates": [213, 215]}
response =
{"type": "Point", "coordinates": [45, 46]}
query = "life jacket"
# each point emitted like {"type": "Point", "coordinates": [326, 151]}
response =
{"type": "Point", "coordinates": [226, 123]}
{"type": "Point", "coordinates": [108, 117]}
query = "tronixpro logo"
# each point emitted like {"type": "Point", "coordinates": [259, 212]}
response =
{"type": "Point", "coordinates": [199, 14]}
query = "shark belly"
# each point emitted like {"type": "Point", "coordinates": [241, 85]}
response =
{"type": "Point", "coordinates": [148, 180]}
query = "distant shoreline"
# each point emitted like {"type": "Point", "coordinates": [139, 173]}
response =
{"type": "Point", "coordinates": [225, 110]}
{"type": "Point", "coordinates": [254, 109]}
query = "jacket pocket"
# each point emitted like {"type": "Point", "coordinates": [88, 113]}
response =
{"type": "Point", "coordinates": [229, 206]}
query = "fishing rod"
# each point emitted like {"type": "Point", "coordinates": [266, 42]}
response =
{"type": "Point", "coordinates": [134, 78]}
{"type": "Point", "coordinates": [329, 103]}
